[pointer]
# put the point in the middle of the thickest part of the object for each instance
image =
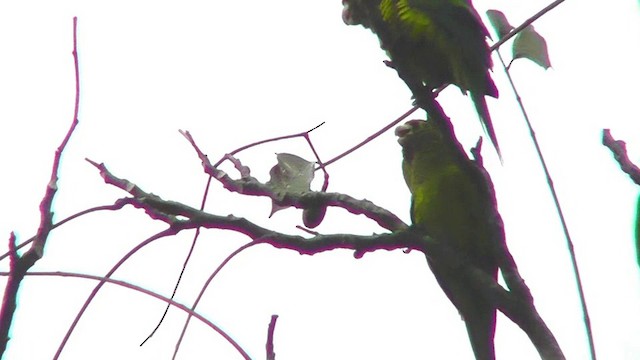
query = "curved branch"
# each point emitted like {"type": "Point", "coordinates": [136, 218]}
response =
{"type": "Point", "coordinates": [171, 302]}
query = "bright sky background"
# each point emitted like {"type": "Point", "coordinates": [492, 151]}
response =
{"type": "Point", "coordinates": [235, 72]}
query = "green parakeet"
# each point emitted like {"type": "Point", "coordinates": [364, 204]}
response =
{"type": "Point", "coordinates": [452, 201]}
{"type": "Point", "coordinates": [432, 43]}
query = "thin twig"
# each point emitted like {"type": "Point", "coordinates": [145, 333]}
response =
{"type": "Point", "coordinates": [565, 227]}
{"type": "Point", "coordinates": [19, 265]}
{"type": "Point", "coordinates": [171, 302]}
{"type": "Point", "coordinates": [619, 150]}
{"type": "Point", "coordinates": [271, 353]}
{"type": "Point", "coordinates": [105, 279]}
{"type": "Point", "coordinates": [204, 288]}
{"type": "Point", "coordinates": [117, 206]}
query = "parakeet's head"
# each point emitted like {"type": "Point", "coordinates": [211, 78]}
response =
{"type": "Point", "coordinates": [429, 148]}
{"type": "Point", "coordinates": [419, 134]}
{"type": "Point", "coordinates": [347, 15]}
{"type": "Point", "coordinates": [354, 12]}
{"type": "Point", "coordinates": [418, 138]}
{"type": "Point", "coordinates": [432, 141]}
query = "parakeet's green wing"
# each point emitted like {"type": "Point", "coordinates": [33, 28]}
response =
{"type": "Point", "coordinates": [456, 27]}
{"type": "Point", "coordinates": [432, 43]}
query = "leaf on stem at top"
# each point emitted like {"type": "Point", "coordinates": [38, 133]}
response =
{"type": "Point", "coordinates": [499, 22]}
{"type": "Point", "coordinates": [528, 44]}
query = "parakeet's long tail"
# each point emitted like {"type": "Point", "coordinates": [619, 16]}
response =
{"type": "Point", "coordinates": [483, 111]}
{"type": "Point", "coordinates": [481, 329]}
{"type": "Point", "coordinates": [478, 315]}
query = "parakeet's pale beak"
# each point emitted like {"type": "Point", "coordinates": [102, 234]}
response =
{"type": "Point", "coordinates": [405, 129]}
{"type": "Point", "coordinates": [346, 14]}
{"type": "Point", "coordinates": [402, 130]}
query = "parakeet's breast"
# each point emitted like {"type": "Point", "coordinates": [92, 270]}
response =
{"type": "Point", "coordinates": [451, 207]}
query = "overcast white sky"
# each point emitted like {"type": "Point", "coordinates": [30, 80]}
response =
{"type": "Point", "coordinates": [236, 72]}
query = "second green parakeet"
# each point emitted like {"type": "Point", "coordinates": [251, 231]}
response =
{"type": "Point", "coordinates": [432, 43]}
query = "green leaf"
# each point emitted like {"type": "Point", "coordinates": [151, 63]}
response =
{"type": "Point", "coordinates": [528, 44]}
{"type": "Point", "coordinates": [499, 22]}
{"type": "Point", "coordinates": [292, 174]}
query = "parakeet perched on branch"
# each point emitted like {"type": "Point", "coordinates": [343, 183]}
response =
{"type": "Point", "coordinates": [432, 43]}
{"type": "Point", "coordinates": [453, 202]}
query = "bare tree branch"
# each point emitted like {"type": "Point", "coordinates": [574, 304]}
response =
{"type": "Point", "coordinates": [19, 265]}
{"type": "Point", "coordinates": [619, 150]}
{"type": "Point", "coordinates": [516, 304]}
{"type": "Point", "coordinates": [251, 186]}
